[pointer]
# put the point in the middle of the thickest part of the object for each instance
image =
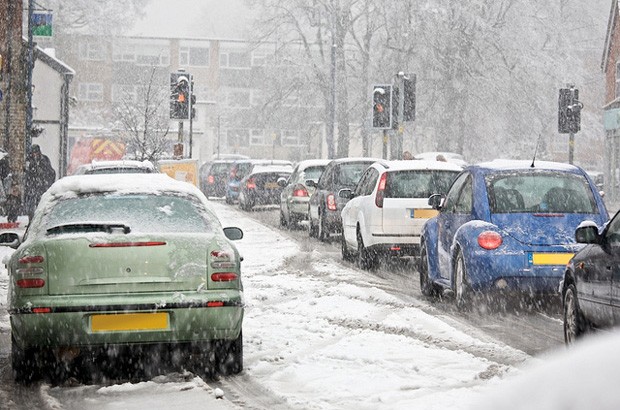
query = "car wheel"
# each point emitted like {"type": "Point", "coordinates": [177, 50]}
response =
{"type": "Point", "coordinates": [462, 289]}
{"type": "Point", "coordinates": [312, 231]}
{"type": "Point", "coordinates": [575, 324]}
{"type": "Point", "coordinates": [283, 223]}
{"type": "Point", "coordinates": [366, 259]}
{"type": "Point", "coordinates": [426, 286]}
{"type": "Point", "coordinates": [230, 356]}
{"type": "Point", "coordinates": [344, 250]}
{"type": "Point", "coordinates": [229, 200]}
{"type": "Point", "coordinates": [323, 232]}
{"type": "Point", "coordinates": [26, 364]}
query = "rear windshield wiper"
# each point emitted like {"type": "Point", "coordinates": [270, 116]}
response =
{"type": "Point", "coordinates": [89, 227]}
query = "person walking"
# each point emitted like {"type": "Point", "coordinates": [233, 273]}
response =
{"type": "Point", "coordinates": [39, 177]}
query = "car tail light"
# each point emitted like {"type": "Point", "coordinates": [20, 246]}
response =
{"type": "Point", "coordinates": [211, 180]}
{"type": "Point", "coordinates": [215, 304]}
{"type": "Point", "coordinates": [30, 283]}
{"type": "Point", "coordinates": [381, 190]}
{"type": "Point", "coordinates": [224, 276]}
{"type": "Point", "coordinates": [222, 260]}
{"type": "Point", "coordinates": [489, 240]}
{"type": "Point", "coordinates": [331, 202]}
{"type": "Point", "coordinates": [30, 270]}
{"type": "Point", "coordinates": [250, 184]}
{"type": "Point", "coordinates": [32, 259]}
{"type": "Point", "coordinates": [300, 190]}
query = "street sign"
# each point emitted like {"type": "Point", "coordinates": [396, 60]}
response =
{"type": "Point", "coordinates": [42, 23]}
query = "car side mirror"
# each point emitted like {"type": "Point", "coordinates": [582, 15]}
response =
{"type": "Point", "coordinates": [587, 232]}
{"type": "Point", "coordinates": [233, 233]}
{"type": "Point", "coordinates": [435, 201]}
{"type": "Point", "coordinates": [282, 182]}
{"type": "Point", "coordinates": [10, 239]}
{"type": "Point", "coordinates": [345, 193]}
{"type": "Point", "coordinates": [311, 183]}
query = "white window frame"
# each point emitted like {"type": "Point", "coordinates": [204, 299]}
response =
{"type": "Point", "coordinates": [257, 137]}
{"type": "Point", "coordinates": [90, 92]}
{"type": "Point", "coordinates": [91, 51]}
{"type": "Point", "coordinates": [225, 60]}
{"type": "Point", "coordinates": [290, 138]}
{"type": "Point", "coordinates": [185, 56]}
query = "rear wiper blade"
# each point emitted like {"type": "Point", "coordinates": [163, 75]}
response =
{"type": "Point", "coordinates": [89, 227]}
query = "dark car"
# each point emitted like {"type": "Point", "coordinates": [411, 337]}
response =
{"type": "Point", "coordinates": [262, 186]}
{"type": "Point", "coordinates": [241, 168]}
{"type": "Point", "coordinates": [591, 285]}
{"type": "Point", "coordinates": [213, 175]}
{"type": "Point", "coordinates": [325, 205]}
{"type": "Point", "coordinates": [505, 228]}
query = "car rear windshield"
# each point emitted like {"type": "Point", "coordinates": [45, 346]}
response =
{"type": "Point", "coordinates": [120, 170]}
{"type": "Point", "coordinates": [350, 173]}
{"type": "Point", "coordinates": [141, 213]}
{"type": "Point", "coordinates": [418, 183]}
{"type": "Point", "coordinates": [219, 168]}
{"type": "Point", "coordinates": [313, 173]}
{"type": "Point", "coordinates": [537, 191]}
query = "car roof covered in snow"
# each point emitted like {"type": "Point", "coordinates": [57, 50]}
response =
{"type": "Point", "coordinates": [418, 164]}
{"type": "Point", "coordinates": [512, 164]}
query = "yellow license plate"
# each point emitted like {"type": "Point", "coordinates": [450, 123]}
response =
{"type": "Point", "coordinates": [271, 185]}
{"type": "Point", "coordinates": [424, 213]}
{"type": "Point", "coordinates": [550, 258]}
{"type": "Point", "coordinates": [129, 321]}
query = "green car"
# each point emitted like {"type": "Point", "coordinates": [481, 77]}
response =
{"type": "Point", "coordinates": [116, 262]}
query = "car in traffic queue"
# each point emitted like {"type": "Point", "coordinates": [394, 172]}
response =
{"type": "Point", "coordinates": [241, 168]}
{"type": "Point", "coordinates": [590, 288]}
{"type": "Point", "coordinates": [506, 228]}
{"type": "Point", "coordinates": [213, 175]}
{"type": "Point", "coordinates": [325, 205]}
{"type": "Point", "coordinates": [387, 209]}
{"type": "Point", "coordinates": [116, 167]}
{"type": "Point", "coordinates": [114, 264]}
{"type": "Point", "coordinates": [262, 186]}
{"type": "Point", "coordinates": [296, 193]}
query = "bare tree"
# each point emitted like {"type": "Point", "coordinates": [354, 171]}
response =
{"type": "Point", "coordinates": [143, 121]}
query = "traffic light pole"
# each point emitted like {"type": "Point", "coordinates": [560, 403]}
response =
{"type": "Point", "coordinates": [385, 144]}
{"type": "Point", "coordinates": [571, 147]}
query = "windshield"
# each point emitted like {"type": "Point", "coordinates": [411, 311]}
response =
{"type": "Point", "coordinates": [418, 184]}
{"type": "Point", "coordinates": [552, 192]}
{"type": "Point", "coordinates": [141, 213]}
{"type": "Point", "coordinates": [350, 174]}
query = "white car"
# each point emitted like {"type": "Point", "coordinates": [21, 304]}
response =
{"type": "Point", "coordinates": [388, 207]}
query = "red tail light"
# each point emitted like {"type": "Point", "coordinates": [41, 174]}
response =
{"type": "Point", "coordinates": [300, 190]}
{"type": "Point", "coordinates": [32, 259]}
{"type": "Point", "coordinates": [41, 310]}
{"type": "Point", "coordinates": [331, 202]}
{"type": "Point", "coordinates": [30, 283]}
{"type": "Point", "coordinates": [489, 240]}
{"type": "Point", "coordinates": [224, 276]}
{"type": "Point", "coordinates": [215, 304]}
{"type": "Point", "coordinates": [211, 180]}
{"type": "Point", "coordinates": [222, 260]}
{"type": "Point", "coordinates": [381, 190]}
{"type": "Point", "coordinates": [250, 184]}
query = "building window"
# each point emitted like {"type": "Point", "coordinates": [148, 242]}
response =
{"type": "Point", "coordinates": [91, 51]}
{"type": "Point", "coordinates": [259, 59]}
{"type": "Point", "coordinates": [290, 137]}
{"type": "Point", "coordinates": [124, 93]}
{"type": "Point", "coordinates": [90, 92]}
{"type": "Point", "coordinates": [257, 137]}
{"type": "Point", "coordinates": [124, 52]}
{"type": "Point", "coordinates": [618, 79]}
{"type": "Point", "coordinates": [194, 56]}
{"type": "Point", "coordinates": [238, 137]}
{"type": "Point", "coordinates": [231, 59]}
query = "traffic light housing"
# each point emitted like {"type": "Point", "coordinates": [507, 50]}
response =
{"type": "Point", "coordinates": [569, 111]}
{"type": "Point", "coordinates": [180, 95]}
{"type": "Point", "coordinates": [409, 102]}
{"type": "Point", "coordinates": [382, 106]}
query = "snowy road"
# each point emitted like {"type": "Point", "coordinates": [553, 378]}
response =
{"type": "Point", "coordinates": [318, 334]}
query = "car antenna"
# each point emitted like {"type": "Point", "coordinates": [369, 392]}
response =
{"type": "Point", "coordinates": [535, 151]}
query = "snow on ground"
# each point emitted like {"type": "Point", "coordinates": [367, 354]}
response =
{"type": "Point", "coordinates": [322, 335]}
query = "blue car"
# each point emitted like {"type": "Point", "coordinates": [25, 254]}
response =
{"type": "Point", "coordinates": [506, 228]}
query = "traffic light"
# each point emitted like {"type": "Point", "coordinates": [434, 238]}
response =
{"type": "Point", "coordinates": [409, 102]}
{"type": "Point", "coordinates": [382, 106]}
{"type": "Point", "coordinates": [569, 111]}
{"type": "Point", "coordinates": [180, 95]}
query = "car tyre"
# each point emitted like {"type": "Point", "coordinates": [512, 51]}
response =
{"type": "Point", "coordinates": [366, 259]}
{"type": "Point", "coordinates": [230, 356]}
{"type": "Point", "coordinates": [575, 324]}
{"type": "Point", "coordinates": [427, 287]}
{"type": "Point", "coordinates": [229, 200]}
{"type": "Point", "coordinates": [347, 255]}
{"type": "Point", "coordinates": [462, 289]}
{"type": "Point", "coordinates": [323, 232]}
{"type": "Point", "coordinates": [283, 222]}
{"type": "Point", "coordinates": [26, 364]}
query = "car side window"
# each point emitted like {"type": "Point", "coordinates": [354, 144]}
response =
{"type": "Point", "coordinates": [612, 234]}
{"type": "Point", "coordinates": [450, 202]}
{"type": "Point", "coordinates": [326, 177]}
{"type": "Point", "coordinates": [360, 187]}
{"type": "Point", "coordinates": [465, 202]}
{"type": "Point", "coordinates": [372, 181]}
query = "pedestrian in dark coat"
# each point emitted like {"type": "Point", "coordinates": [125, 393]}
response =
{"type": "Point", "coordinates": [39, 176]}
